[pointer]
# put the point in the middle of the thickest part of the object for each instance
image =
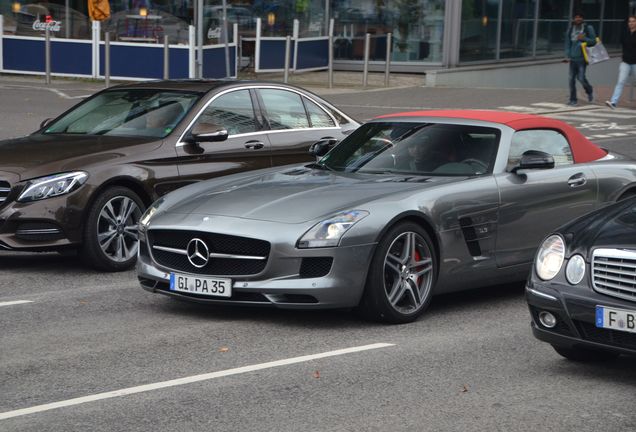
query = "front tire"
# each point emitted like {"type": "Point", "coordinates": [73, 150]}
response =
{"type": "Point", "coordinates": [110, 231]}
{"type": "Point", "coordinates": [401, 276]}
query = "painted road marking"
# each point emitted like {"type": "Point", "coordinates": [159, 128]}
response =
{"type": "Point", "coordinates": [571, 117]}
{"type": "Point", "coordinates": [188, 380]}
{"type": "Point", "coordinates": [519, 108]}
{"type": "Point", "coordinates": [551, 105]}
{"type": "Point", "coordinates": [609, 114]}
{"type": "Point", "coordinates": [15, 302]}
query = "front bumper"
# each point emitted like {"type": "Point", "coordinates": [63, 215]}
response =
{"type": "Point", "coordinates": [50, 224]}
{"type": "Point", "coordinates": [281, 283]}
{"type": "Point", "coordinates": [575, 310]}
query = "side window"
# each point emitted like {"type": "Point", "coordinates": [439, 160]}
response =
{"type": "Point", "coordinates": [285, 109]}
{"type": "Point", "coordinates": [545, 140]}
{"type": "Point", "coordinates": [319, 118]}
{"type": "Point", "coordinates": [233, 111]}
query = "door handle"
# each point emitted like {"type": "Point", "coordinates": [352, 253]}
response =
{"type": "Point", "coordinates": [254, 145]}
{"type": "Point", "coordinates": [577, 180]}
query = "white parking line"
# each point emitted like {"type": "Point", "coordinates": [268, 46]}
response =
{"type": "Point", "coordinates": [15, 302]}
{"type": "Point", "coordinates": [571, 117]}
{"type": "Point", "coordinates": [187, 380]}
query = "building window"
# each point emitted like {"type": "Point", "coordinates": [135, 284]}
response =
{"type": "Point", "coordinates": [417, 27]}
{"type": "Point", "coordinates": [479, 30]}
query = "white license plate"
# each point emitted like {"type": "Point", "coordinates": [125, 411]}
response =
{"type": "Point", "coordinates": [204, 286]}
{"type": "Point", "coordinates": [616, 319]}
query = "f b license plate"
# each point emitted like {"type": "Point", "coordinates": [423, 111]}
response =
{"type": "Point", "coordinates": [616, 319]}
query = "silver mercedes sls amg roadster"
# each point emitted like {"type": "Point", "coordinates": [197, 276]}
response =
{"type": "Point", "coordinates": [407, 206]}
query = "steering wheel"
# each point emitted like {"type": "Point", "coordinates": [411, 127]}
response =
{"type": "Point", "coordinates": [475, 162]}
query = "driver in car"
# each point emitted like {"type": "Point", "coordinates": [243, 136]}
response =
{"type": "Point", "coordinates": [427, 156]}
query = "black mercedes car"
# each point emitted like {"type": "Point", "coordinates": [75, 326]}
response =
{"type": "Point", "coordinates": [582, 290]}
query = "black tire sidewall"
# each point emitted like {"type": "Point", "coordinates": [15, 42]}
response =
{"type": "Point", "coordinates": [375, 304]}
{"type": "Point", "coordinates": [92, 253]}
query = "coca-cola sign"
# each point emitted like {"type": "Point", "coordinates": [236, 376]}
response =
{"type": "Point", "coordinates": [51, 25]}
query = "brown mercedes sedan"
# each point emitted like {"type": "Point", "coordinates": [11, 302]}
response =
{"type": "Point", "coordinates": [84, 179]}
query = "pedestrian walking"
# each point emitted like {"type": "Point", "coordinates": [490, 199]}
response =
{"type": "Point", "coordinates": [627, 68]}
{"type": "Point", "coordinates": [578, 33]}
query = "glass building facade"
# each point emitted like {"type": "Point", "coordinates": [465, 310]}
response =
{"type": "Point", "coordinates": [426, 33]}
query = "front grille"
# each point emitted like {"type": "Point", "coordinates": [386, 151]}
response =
{"type": "Point", "coordinates": [315, 267]}
{"type": "Point", "coordinates": [216, 244]}
{"type": "Point", "coordinates": [606, 336]}
{"type": "Point", "coordinates": [614, 273]}
{"type": "Point", "coordinates": [5, 188]}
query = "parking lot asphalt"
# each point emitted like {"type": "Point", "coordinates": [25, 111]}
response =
{"type": "Point", "coordinates": [82, 350]}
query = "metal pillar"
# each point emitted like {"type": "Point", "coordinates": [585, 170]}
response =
{"type": "Point", "coordinates": [330, 60]}
{"type": "Point", "coordinates": [387, 65]}
{"type": "Point", "coordinates": [225, 40]}
{"type": "Point", "coordinates": [199, 30]}
{"type": "Point", "coordinates": [365, 73]}
{"type": "Point", "coordinates": [166, 57]}
{"type": "Point", "coordinates": [47, 56]}
{"type": "Point", "coordinates": [107, 59]}
{"type": "Point", "coordinates": [287, 55]}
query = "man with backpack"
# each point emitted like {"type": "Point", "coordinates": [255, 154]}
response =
{"type": "Point", "coordinates": [577, 34]}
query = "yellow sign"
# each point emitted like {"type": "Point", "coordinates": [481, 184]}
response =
{"type": "Point", "coordinates": [98, 10]}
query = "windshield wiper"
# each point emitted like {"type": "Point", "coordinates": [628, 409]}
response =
{"type": "Point", "coordinates": [320, 166]}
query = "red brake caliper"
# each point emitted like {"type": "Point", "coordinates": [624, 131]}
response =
{"type": "Point", "coordinates": [418, 257]}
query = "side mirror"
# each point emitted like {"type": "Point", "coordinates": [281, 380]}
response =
{"type": "Point", "coordinates": [207, 132]}
{"type": "Point", "coordinates": [534, 159]}
{"type": "Point", "coordinates": [45, 122]}
{"type": "Point", "coordinates": [322, 147]}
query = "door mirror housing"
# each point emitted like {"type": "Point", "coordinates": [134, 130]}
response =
{"type": "Point", "coordinates": [208, 132]}
{"type": "Point", "coordinates": [535, 159]}
{"type": "Point", "coordinates": [45, 122]}
{"type": "Point", "coordinates": [322, 147]}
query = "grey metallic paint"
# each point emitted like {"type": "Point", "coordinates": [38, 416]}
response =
{"type": "Point", "coordinates": [510, 214]}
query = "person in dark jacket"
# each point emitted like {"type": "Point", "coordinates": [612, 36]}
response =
{"type": "Point", "coordinates": [577, 33]}
{"type": "Point", "coordinates": [627, 67]}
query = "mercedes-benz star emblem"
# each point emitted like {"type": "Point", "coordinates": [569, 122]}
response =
{"type": "Point", "coordinates": [198, 253]}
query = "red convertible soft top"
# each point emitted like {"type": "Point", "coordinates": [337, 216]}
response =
{"type": "Point", "coordinates": [583, 149]}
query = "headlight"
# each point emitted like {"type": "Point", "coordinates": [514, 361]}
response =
{"type": "Point", "coordinates": [149, 213]}
{"type": "Point", "coordinates": [550, 257]}
{"type": "Point", "coordinates": [51, 186]}
{"type": "Point", "coordinates": [329, 232]}
{"type": "Point", "coordinates": [575, 270]}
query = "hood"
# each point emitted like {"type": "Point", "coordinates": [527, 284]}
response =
{"type": "Point", "coordinates": [297, 195]}
{"type": "Point", "coordinates": [611, 226]}
{"type": "Point", "coordinates": [37, 155]}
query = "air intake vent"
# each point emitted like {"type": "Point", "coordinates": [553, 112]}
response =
{"type": "Point", "coordinates": [5, 188]}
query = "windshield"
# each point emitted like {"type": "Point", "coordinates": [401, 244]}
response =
{"type": "Point", "coordinates": [136, 112]}
{"type": "Point", "coordinates": [416, 148]}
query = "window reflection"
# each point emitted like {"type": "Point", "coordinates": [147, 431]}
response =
{"type": "Point", "coordinates": [417, 27]}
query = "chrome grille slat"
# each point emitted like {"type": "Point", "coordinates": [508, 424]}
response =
{"type": "Point", "coordinates": [613, 285]}
{"type": "Point", "coordinates": [614, 273]}
{"type": "Point", "coordinates": [615, 276]}
{"type": "Point", "coordinates": [616, 263]}
{"type": "Point", "coordinates": [5, 189]}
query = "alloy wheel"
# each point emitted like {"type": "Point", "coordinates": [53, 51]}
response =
{"type": "Point", "coordinates": [408, 275]}
{"type": "Point", "coordinates": [117, 228]}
